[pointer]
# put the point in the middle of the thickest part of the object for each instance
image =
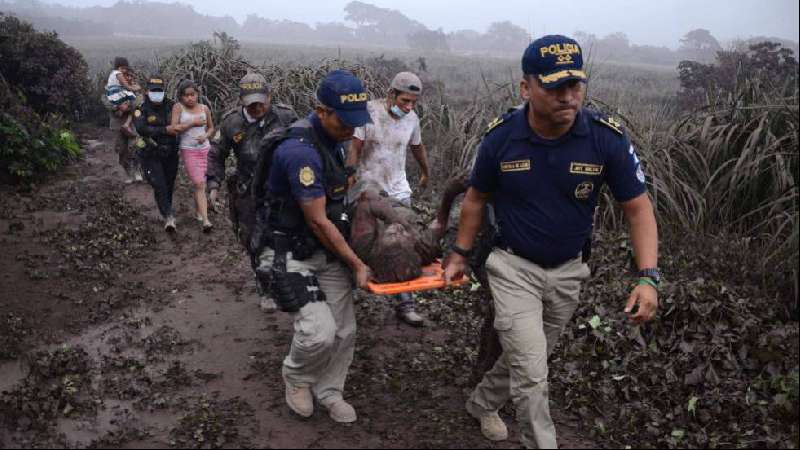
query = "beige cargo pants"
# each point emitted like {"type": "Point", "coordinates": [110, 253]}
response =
{"type": "Point", "coordinates": [532, 306]}
{"type": "Point", "coordinates": [324, 332]}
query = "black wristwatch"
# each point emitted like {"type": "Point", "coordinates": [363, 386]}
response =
{"type": "Point", "coordinates": [463, 252]}
{"type": "Point", "coordinates": [651, 273]}
{"type": "Point", "coordinates": [350, 171]}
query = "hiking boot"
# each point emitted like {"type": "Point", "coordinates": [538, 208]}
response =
{"type": "Point", "coordinates": [207, 227]}
{"type": "Point", "coordinates": [492, 426]}
{"type": "Point", "coordinates": [268, 305]}
{"type": "Point", "coordinates": [341, 411]}
{"type": "Point", "coordinates": [411, 317]}
{"type": "Point", "coordinates": [169, 226]}
{"type": "Point", "coordinates": [299, 400]}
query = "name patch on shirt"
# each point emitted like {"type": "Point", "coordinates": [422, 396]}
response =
{"type": "Point", "coordinates": [579, 168]}
{"type": "Point", "coordinates": [516, 166]}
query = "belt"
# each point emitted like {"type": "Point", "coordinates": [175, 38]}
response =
{"type": "Point", "coordinates": [538, 263]}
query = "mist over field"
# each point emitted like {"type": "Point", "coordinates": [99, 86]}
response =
{"type": "Point", "coordinates": [620, 30]}
{"type": "Point", "coordinates": [116, 334]}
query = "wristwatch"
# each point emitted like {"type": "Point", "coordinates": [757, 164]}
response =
{"type": "Point", "coordinates": [463, 252]}
{"type": "Point", "coordinates": [651, 273]}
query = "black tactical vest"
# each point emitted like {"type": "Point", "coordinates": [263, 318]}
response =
{"type": "Point", "coordinates": [285, 214]}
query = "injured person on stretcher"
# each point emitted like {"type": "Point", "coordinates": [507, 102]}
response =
{"type": "Point", "coordinates": [391, 238]}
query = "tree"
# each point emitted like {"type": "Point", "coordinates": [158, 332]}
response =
{"type": "Point", "coordinates": [507, 37]}
{"type": "Point", "coordinates": [388, 26]}
{"type": "Point", "coordinates": [428, 41]}
{"type": "Point", "coordinates": [765, 65]}
{"type": "Point", "coordinates": [466, 41]}
{"type": "Point", "coordinates": [700, 45]}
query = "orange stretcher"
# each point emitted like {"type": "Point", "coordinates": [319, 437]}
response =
{"type": "Point", "coordinates": [432, 278]}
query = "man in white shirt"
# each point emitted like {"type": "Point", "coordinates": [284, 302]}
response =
{"type": "Point", "coordinates": [378, 155]}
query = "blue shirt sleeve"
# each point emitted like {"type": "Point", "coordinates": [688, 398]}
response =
{"type": "Point", "coordinates": [484, 172]}
{"type": "Point", "coordinates": [302, 167]}
{"type": "Point", "coordinates": [624, 175]}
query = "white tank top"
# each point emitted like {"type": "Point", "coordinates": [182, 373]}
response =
{"type": "Point", "coordinates": [189, 137]}
{"type": "Point", "coordinates": [112, 79]}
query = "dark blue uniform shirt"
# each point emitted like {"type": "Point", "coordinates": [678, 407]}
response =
{"type": "Point", "coordinates": [545, 191]}
{"type": "Point", "coordinates": [297, 167]}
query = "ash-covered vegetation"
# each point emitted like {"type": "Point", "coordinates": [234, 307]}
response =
{"type": "Point", "coordinates": [719, 141]}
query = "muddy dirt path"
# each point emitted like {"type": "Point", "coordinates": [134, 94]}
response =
{"type": "Point", "coordinates": [115, 334]}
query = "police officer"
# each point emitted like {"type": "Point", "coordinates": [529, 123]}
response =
{"type": "Point", "coordinates": [542, 168]}
{"type": "Point", "coordinates": [308, 257]}
{"type": "Point", "coordinates": [157, 146]}
{"type": "Point", "coordinates": [241, 131]}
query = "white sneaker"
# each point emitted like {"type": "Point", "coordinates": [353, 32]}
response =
{"type": "Point", "coordinates": [169, 226]}
{"type": "Point", "coordinates": [268, 305]}
{"type": "Point", "coordinates": [411, 318]}
{"type": "Point", "coordinates": [341, 411]}
{"type": "Point", "coordinates": [492, 426]}
{"type": "Point", "coordinates": [299, 400]}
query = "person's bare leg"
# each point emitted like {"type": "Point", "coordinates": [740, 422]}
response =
{"type": "Point", "coordinates": [201, 202]}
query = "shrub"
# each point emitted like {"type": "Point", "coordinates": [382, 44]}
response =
{"type": "Point", "coordinates": [50, 75]}
{"type": "Point", "coordinates": [31, 145]}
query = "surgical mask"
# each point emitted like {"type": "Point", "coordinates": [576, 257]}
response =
{"type": "Point", "coordinates": [156, 97]}
{"type": "Point", "coordinates": [248, 117]}
{"type": "Point", "coordinates": [398, 112]}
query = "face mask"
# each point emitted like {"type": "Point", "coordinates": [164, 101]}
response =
{"type": "Point", "coordinates": [156, 97]}
{"type": "Point", "coordinates": [399, 113]}
{"type": "Point", "coordinates": [248, 117]}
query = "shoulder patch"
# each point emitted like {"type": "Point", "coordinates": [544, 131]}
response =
{"type": "Point", "coordinates": [610, 122]}
{"type": "Point", "coordinates": [494, 124]}
{"type": "Point", "coordinates": [307, 176]}
{"type": "Point", "coordinates": [137, 113]}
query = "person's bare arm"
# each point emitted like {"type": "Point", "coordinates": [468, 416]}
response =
{"type": "Point", "coordinates": [332, 239]}
{"type": "Point", "coordinates": [123, 81]}
{"type": "Point", "coordinates": [454, 187]}
{"type": "Point", "coordinates": [644, 238]}
{"type": "Point", "coordinates": [421, 155]}
{"type": "Point", "coordinates": [175, 119]}
{"type": "Point", "coordinates": [353, 158]}
{"type": "Point", "coordinates": [469, 225]}
{"type": "Point", "coordinates": [210, 129]}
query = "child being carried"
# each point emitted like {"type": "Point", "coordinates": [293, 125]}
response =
{"type": "Point", "coordinates": [121, 91]}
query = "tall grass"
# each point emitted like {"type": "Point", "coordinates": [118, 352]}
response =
{"type": "Point", "coordinates": [733, 168]}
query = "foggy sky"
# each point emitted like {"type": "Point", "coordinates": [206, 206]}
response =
{"type": "Point", "coordinates": [645, 22]}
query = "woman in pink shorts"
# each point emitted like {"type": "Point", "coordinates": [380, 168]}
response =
{"type": "Point", "coordinates": [194, 143]}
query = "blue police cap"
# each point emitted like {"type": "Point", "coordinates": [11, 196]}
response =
{"type": "Point", "coordinates": [345, 94]}
{"type": "Point", "coordinates": [554, 59]}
